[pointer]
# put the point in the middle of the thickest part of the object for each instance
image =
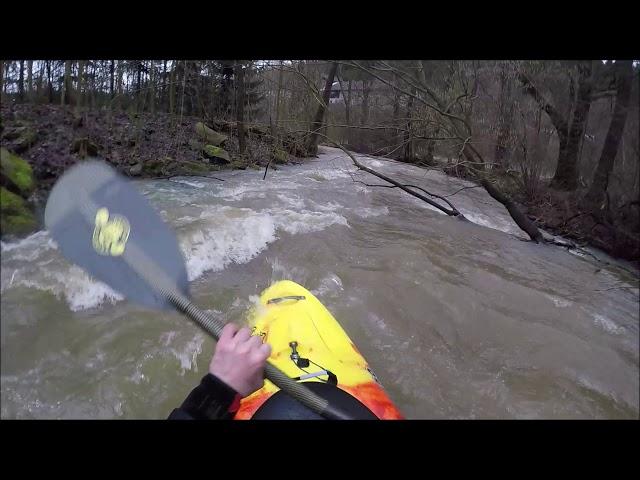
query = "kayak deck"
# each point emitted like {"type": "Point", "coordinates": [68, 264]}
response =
{"type": "Point", "coordinates": [286, 313]}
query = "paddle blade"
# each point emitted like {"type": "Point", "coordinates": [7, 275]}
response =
{"type": "Point", "coordinates": [98, 219]}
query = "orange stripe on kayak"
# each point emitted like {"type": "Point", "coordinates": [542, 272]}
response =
{"type": "Point", "coordinates": [375, 398]}
{"type": "Point", "coordinates": [248, 406]}
{"type": "Point", "coordinates": [370, 394]}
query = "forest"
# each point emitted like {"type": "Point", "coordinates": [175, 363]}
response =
{"type": "Point", "coordinates": [555, 141]}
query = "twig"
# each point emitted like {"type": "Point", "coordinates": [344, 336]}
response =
{"type": "Point", "coordinates": [406, 185]}
{"type": "Point", "coordinates": [199, 176]}
{"type": "Point", "coordinates": [463, 188]}
{"type": "Point", "coordinates": [266, 168]}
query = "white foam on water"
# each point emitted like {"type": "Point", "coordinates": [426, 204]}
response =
{"type": "Point", "coordinates": [167, 337]}
{"type": "Point", "coordinates": [326, 207]}
{"type": "Point", "coordinates": [225, 235]}
{"type": "Point", "coordinates": [191, 183]}
{"type": "Point", "coordinates": [607, 325]}
{"type": "Point", "coordinates": [305, 221]}
{"type": "Point", "coordinates": [291, 200]}
{"type": "Point", "coordinates": [237, 192]}
{"type": "Point", "coordinates": [328, 174]}
{"type": "Point", "coordinates": [369, 162]}
{"type": "Point", "coordinates": [495, 223]}
{"type": "Point", "coordinates": [559, 302]}
{"type": "Point", "coordinates": [38, 241]}
{"type": "Point", "coordinates": [43, 269]}
{"type": "Point", "coordinates": [329, 284]}
{"type": "Point", "coordinates": [366, 212]}
{"type": "Point", "coordinates": [188, 355]}
{"type": "Point", "coordinates": [78, 289]}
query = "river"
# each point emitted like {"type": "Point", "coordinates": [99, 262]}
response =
{"type": "Point", "coordinates": [457, 319]}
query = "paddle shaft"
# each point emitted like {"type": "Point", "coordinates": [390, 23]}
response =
{"type": "Point", "coordinates": [158, 280]}
{"type": "Point", "coordinates": [271, 372]}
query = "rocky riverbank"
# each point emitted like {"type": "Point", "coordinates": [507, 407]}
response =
{"type": "Point", "coordinates": [39, 142]}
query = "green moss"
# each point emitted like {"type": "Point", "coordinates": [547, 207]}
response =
{"type": "Point", "coordinates": [17, 171]}
{"type": "Point", "coordinates": [154, 167]}
{"type": "Point", "coordinates": [211, 151]}
{"type": "Point", "coordinates": [193, 168]}
{"type": "Point", "coordinates": [280, 156]}
{"type": "Point", "coordinates": [15, 217]}
{"type": "Point", "coordinates": [209, 135]}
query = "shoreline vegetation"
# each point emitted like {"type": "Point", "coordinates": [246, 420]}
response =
{"type": "Point", "coordinates": [564, 163]}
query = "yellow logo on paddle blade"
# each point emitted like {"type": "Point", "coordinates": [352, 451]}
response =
{"type": "Point", "coordinates": [110, 234]}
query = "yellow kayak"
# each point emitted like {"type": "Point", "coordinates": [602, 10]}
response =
{"type": "Point", "coordinates": [309, 345]}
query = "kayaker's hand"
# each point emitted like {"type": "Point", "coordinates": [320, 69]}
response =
{"type": "Point", "coordinates": [239, 359]}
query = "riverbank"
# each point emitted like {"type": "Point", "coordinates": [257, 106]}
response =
{"type": "Point", "coordinates": [616, 231]}
{"type": "Point", "coordinates": [51, 138]}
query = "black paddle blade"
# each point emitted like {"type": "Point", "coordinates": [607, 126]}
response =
{"type": "Point", "coordinates": [99, 220]}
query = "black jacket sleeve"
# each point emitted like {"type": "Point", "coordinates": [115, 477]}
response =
{"type": "Point", "coordinates": [211, 400]}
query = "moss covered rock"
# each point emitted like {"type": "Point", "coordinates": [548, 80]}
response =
{"type": "Point", "coordinates": [192, 168]}
{"type": "Point", "coordinates": [280, 156]}
{"type": "Point", "coordinates": [17, 172]}
{"type": "Point", "coordinates": [135, 170]}
{"type": "Point", "coordinates": [15, 217]}
{"type": "Point", "coordinates": [217, 153]}
{"type": "Point", "coordinates": [21, 137]}
{"type": "Point", "coordinates": [209, 136]}
{"type": "Point", "coordinates": [156, 167]}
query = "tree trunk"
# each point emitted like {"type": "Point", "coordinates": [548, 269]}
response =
{"type": "Point", "coordinates": [30, 80]}
{"type": "Point", "coordinates": [21, 82]}
{"type": "Point", "coordinates": [66, 86]}
{"type": "Point", "coordinates": [239, 74]}
{"type": "Point", "coordinates": [567, 174]}
{"type": "Point", "coordinates": [1, 80]}
{"type": "Point", "coordinates": [597, 193]}
{"type": "Point", "coordinates": [39, 81]}
{"type": "Point", "coordinates": [112, 79]}
{"type": "Point", "coordinates": [348, 105]}
{"type": "Point", "coordinates": [408, 142]}
{"type": "Point", "coordinates": [316, 125]}
{"type": "Point", "coordinates": [163, 90]}
{"type": "Point", "coordinates": [396, 118]}
{"type": "Point", "coordinates": [366, 89]}
{"type": "Point", "coordinates": [520, 218]}
{"type": "Point", "coordinates": [172, 88]}
{"type": "Point", "coordinates": [561, 179]}
{"type": "Point", "coordinates": [81, 83]}
{"type": "Point", "coordinates": [6, 77]}
{"type": "Point", "coordinates": [278, 93]}
{"type": "Point", "coordinates": [277, 106]}
{"type": "Point", "coordinates": [152, 89]}
{"type": "Point", "coordinates": [117, 99]}
{"type": "Point", "coordinates": [49, 81]}
{"type": "Point", "coordinates": [505, 117]}
{"type": "Point", "coordinates": [184, 84]}
{"type": "Point", "coordinates": [92, 86]}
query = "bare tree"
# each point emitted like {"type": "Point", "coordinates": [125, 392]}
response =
{"type": "Point", "coordinates": [239, 74]}
{"type": "Point", "coordinates": [316, 125]}
{"type": "Point", "coordinates": [30, 80]}
{"type": "Point", "coordinates": [66, 89]}
{"type": "Point", "coordinates": [570, 135]}
{"type": "Point", "coordinates": [111, 79]}
{"type": "Point", "coordinates": [21, 82]}
{"type": "Point", "coordinates": [597, 193]}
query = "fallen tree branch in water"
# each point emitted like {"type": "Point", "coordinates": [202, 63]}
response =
{"type": "Point", "coordinates": [453, 212]}
{"type": "Point", "coordinates": [521, 220]}
{"type": "Point", "coordinates": [410, 186]}
{"type": "Point", "coordinates": [266, 168]}
{"type": "Point", "coordinates": [198, 176]}
{"type": "Point", "coordinates": [463, 188]}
